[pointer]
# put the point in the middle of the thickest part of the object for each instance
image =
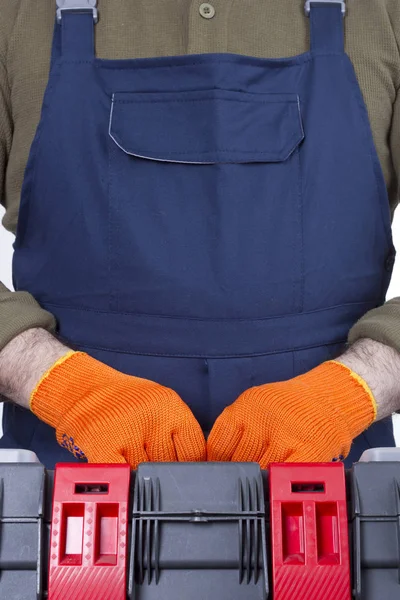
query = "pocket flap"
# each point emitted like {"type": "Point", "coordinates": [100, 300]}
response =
{"type": "Point", "coordinates": [203, 127]}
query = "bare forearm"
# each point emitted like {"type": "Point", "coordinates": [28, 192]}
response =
{"type": "Point", "coordinates": [379, 366]}
{"type": "Point", "coordinates": [24, 361]}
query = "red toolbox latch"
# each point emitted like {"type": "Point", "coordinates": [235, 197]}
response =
{"type": "Point", "coordinates": [310, 551]}
{"type": "Point", "coordinates": [89, 529]}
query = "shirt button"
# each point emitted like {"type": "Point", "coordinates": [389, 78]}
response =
{"type": "Point", "coordinates": [207, 10]}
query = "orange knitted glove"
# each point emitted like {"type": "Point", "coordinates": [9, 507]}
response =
{"type": "Point", "coordinates": [311, 418]}
{"type": "Point", "coordinates": [110, 417]}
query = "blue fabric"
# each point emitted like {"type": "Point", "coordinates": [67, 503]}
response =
{"type": "Point", "coordinates": [216, 126]}
{"type": "Point", "coordinates": [209, 222]}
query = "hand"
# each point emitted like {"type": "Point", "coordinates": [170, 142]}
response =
{"type": "Point", "coordinates": [109, 417]}
{"type": "Point", "coordinates": [311, 418]}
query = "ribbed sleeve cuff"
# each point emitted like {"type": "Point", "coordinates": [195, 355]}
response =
{"type": "Point", "coordinates": [57, 391]}
{"type": "Point", "coordinates": [380, 324]}
{"type": "Point", "coordinates": [346, 392]}
{"type": "Point", "coordinates": [19, 312]}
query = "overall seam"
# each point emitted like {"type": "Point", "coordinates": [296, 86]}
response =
{"type": "Point", "coordinates": [208, 320]}
{"type": "Point", "coordinates": [204, 356]}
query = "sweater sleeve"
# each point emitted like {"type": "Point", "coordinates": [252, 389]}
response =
{"type": "Point", "coordinates": [383, 324]}
{"type": "Point", "coordinates": [19, 311]}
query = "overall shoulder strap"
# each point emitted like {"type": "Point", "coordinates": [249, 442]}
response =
{"type": "Point", "coordinates": [327, 25]}
{"type": "Point", "coordinates": [77, 19]}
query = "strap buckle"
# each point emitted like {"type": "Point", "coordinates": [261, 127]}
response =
{"type": "Point", "coordinates": [77, 6]}
{"type": "Point", "coordinates": [308, 4]}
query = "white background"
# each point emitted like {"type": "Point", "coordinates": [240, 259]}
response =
{"type": "Point", "coordinates": [6, 241]}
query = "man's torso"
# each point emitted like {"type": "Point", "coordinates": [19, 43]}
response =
{"type": "Point", "coordinates": [144, 28]}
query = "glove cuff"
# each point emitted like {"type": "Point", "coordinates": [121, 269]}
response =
{"type": "Point", "coordinates": [60, 387]}
{"type": "Point", "coordinates": [348, 393]}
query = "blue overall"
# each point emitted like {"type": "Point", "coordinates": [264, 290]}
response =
{"type": "Point", "coordinates": [211, 222]}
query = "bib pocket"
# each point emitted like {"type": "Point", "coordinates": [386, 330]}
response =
{"type": "Point", "coordinates": [205, 195]}
{"type": "Point", "coordinates": [207, 127]}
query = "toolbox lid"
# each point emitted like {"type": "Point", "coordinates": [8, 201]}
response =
{"type": "Point", "coordinates": [198, 528]}
{"type": "Point", "coordinates": [204, 486]}
{"type": "Point", "coordinates": [381, 455]}
{"type": "Point", "coordinates": [21, 490]}
{"type": "Point", "coordinates": [13, 455]}
{"type": "Point", "coordinates": [376, 489]}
